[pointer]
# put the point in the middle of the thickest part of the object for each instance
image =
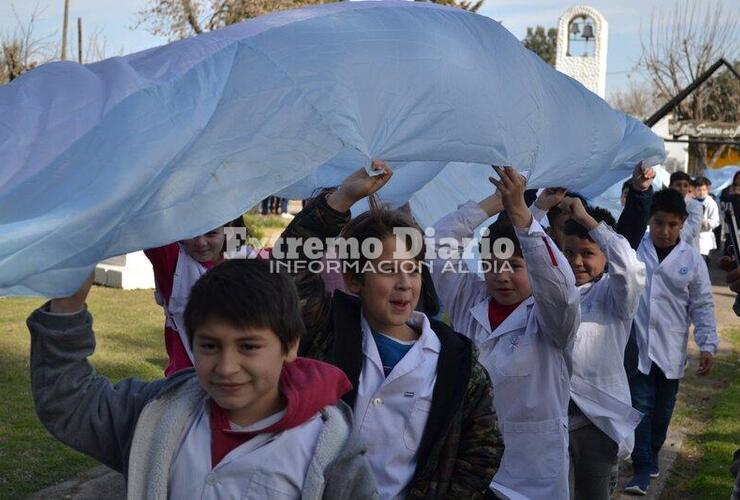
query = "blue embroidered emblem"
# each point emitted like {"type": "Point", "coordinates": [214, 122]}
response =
{"type": "Point", "coordinates": [684, 270]}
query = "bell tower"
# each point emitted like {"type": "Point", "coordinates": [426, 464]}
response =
{"type": "Point", "coordinates": [581, 47]}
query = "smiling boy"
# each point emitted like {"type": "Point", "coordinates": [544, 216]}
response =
{"type": "Point", "coordinates": [252, 420]}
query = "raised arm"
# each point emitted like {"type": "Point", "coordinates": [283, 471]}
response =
{"type": "Point", "coordinates": [557, 300]}
{"type": "Point", "coordinates": [633, 220]}
{"type": "Point", "coordinates": [459, 291]}
{"type": "Point", "coordinates": [79, 407]}
{"type": "Point", "coordinates": [626, 271]}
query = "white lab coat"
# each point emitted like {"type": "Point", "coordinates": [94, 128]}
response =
{"type": "Point", "coordinates": [677, 293]}
{"type": "Point", "coordinates": [710, 221]}
{"type": "Point", "coordinates": [598, 383]}
{"type": "Point", "coordinates": [525, 356]}
{"type": "Point", "coordinates": [391, 413]}
{"type": "Point", "coordinates": [250, 470]}
{"type": "Point", "coordinates": [692, 225]}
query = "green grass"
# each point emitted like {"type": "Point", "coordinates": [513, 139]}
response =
{"type": "Point", "coordinates": [709, 412]}
{"type": "Point", "coordinates": [257, 223]}
{"type": "Point", "coordinates": [129, 332]}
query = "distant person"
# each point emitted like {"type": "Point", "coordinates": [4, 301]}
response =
{"type": "Point", "coordinates": [710, 218]}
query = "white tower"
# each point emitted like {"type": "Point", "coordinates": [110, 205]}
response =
{"type": "Point", "coordinates": [581, 47]}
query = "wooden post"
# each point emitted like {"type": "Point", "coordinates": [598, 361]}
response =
{"type": "Point", "coordinates": [79, 40]}
{"type": "Point", "coordinates": [64, 30]}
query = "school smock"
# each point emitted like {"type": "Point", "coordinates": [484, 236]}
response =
{"type": "Point", "coordinates": [391, 412]}
{"type": "Point", "coordinates": [677, 293]}
{"type": "Point", "coordinates": [186, 273]}
{"type": "Point", "coordinates": [598, 383]}
{"type": "Point", "coordinates": [248, 471]}
{"type": "Point", "coordinates": [525, 356]}
{"type": "Point", "coordinates": [710, 220]}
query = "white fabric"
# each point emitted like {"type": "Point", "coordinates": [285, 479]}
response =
{"type": "Point", "coordinates": [677, 293]}
{"type": "Point", "coordinates": [392, 412]}
{"type": "Point", "coordinates": [138, 151]}
{"type": "Point", "coordinates": [525, 356]}
{"type": "Point", "coordinates": [249, 471]}
{"type": "Point", "coordinates": [710, 220]}
{"type": "Point", "coordinates": [598, 383]}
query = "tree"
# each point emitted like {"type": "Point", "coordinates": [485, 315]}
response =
{"type": "Point", "coordinates": [471, 5]}
{"type": "Point", "coordinates": [679, 46]}
{"type": "Point", "coordinates": [179, 19]}
{"type": "Point", "coordinates": [542, 43]}
{"type": "Point", "coordinates": [636, 100]}
{"type": "Point", "coordinates": [22, 50]}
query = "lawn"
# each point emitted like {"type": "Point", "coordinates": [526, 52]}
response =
{"type": "Point", "coordinates": [128, 327]}
{"type": "Point", "coordinates": [709, 412]}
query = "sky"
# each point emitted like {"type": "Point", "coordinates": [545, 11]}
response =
{"type": "Point", "coordinates": [115, 21]}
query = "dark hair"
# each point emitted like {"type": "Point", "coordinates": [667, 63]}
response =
{"type": "Point", "coordinates": [669, 201]}
{"type": "Point", "coordinates": [573, 228]}
{"type": "Point", "coordinates": [245, 293]}
{"type": "Point", "coordinates": [702, 181]}
{"type": "Point", "coordinates": [555, 212]}
{"type": "Point", "coordinates": [680, 176]}
{"type": "Point", "coordinates": [501, 228]}
{"type": "Point", "coordinates": [378, 222]}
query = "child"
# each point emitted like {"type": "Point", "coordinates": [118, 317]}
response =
{"type": "Point", "coordinates": [601, 417]}
{"type": "Point", "coordinates": [250, 421]}
{"type": "Point", "coordinates": [422, 402]}
{"type": "Point", "coordinates": [710, 217]}
{"type": "Point", "coordinates": [177, 267]}
{"type": "Point", "coordinates": [678, 292]}
{"type": "Point", "coordinates": [681, 182]}
{"type": "Point", "coordinates": [521, 317]}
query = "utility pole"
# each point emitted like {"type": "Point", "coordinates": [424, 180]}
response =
{"type": "Point", "coordinates": [79, 40]}
{"type": "Point", "coordinates": [64, 30]}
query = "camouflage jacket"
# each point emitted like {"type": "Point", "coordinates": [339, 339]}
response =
{"type": "Point", "coordinates": [461, 447]}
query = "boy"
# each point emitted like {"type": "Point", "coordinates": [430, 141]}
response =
{"type": "Point", "coordinates": [249, 421]}
{"type": "Point", "coordinates": [677, 293]}
{"type": "Point", "coordinates": [422, 402]}
{"type": "Point", "coordinates": [710, 219]}
{"type": "Point", "coordinates": [684, 184]}
{"type": "Point", "coordinates": [601, 417]}
{"type": "Point", "coordinates": [522, 317]}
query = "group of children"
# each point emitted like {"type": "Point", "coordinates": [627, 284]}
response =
{"type": "Point", "coordinates": [565, 355]}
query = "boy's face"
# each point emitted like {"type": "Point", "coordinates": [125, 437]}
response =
{"type": "Point", "coordinates": [702, 191]}
{"type": "Point", "coordinates": [240, 368]}
{"type": "Point", "coordinates": [585, 258]}
{"type": "Point", "coordinates": [683, 187]}
{"type": "Point", "coordinates": [665, 229]}
{"type": "Point", "coordinates": [206, 247]}
{"type": "Point", "coordinates": [508, 283]}
{"type": "Point", "coordinates": [389, 293]}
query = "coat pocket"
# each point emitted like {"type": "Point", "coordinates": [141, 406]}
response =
{"type": "Point", "coordinates": [416, 423]}
{"type": "Point", "coordinates": [534, 449]}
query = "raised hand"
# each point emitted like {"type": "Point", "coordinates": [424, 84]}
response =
{"type": "Point", "coordinates": [550, 197]}
{"type": "Point", "coordinates": [574, 209]}
{"type": "Point", "coordinates": [360, 185]}
{"type": "Point", "coordinates": [511, 185]}
{"type": "Point", "coordinates": [642, 177]}
{"type": "Point", "coordinates": [75, 302]}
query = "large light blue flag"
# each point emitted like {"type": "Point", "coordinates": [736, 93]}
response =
{"type": "Point", "coordinates": [132, 152]}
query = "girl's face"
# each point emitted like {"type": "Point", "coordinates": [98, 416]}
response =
{"type": "Point", "coordinates": [390, 291]}
{"type": "Point", "coordinates": [206, 247]}
{"type": "Point", "coordinates": [507, 280]}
